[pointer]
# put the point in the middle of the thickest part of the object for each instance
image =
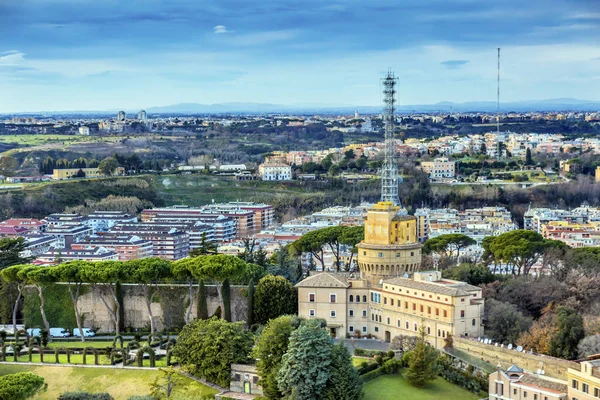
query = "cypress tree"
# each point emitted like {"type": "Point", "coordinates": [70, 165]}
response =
{"type": "Point", "coordinates": [202, 306]}
{"type": "Point", "coordinates": [251, 304]}
{"type": "Point", "coordinates": [119, 293]}
{"type": "Point", "coordinates": [226, 290]}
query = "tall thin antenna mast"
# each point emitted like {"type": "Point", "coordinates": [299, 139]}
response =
{"type": "Point", "coordinates": [389, 171]}
{"type": "Point", "coordinates": [498, 97]}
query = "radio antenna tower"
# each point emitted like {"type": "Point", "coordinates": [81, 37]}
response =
{"type": "Point", "coordinates": [389, 171]}
{"type": "Point", "coordinates": [498, 97]}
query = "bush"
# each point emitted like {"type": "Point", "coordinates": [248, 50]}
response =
{"type": "Point", "coordinates": [20, 386]}
{"type": "Point", "coordinates": [376, 373]}
{"type": "Point", "coordinates": [84, 396]}
{"type": "Point", "coordinates": [141, 398]}
{"type": "Point", "coordinates": [367, 367]}
{"type": "Point", "coordinates": [392, 366]}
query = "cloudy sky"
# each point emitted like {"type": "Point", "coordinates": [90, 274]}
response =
{"type": "Point", "coordinates": [109, 54]}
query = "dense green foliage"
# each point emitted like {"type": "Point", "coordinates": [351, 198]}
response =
{"type": "Point", "coordinates": [274, 296]}
{"type": "Point", "coordinates": [20, 386]}
{"type": "Point", "coordinates": [333, 237]}
{"type": "Point", "coordinates": [448, 245]}
{"type": "Point", "coordinates": [202, 311]}
{"type": "Point", "coordinates": [207, 348]}
{"type": "Point", "coordinates": [305, 366]}
{"type": "Point", "coordinates": [564, 342]}
{"type": "Point", "coordinates": [473, 274]}
{"type": "Point", "coordinates": [344, 382]}
{"type": "Point", "coordinates": [520, 249]}
{"type": "Point", "coordinates": [270, 347]}
{"type": "Point", "coordinates": [58, 307]}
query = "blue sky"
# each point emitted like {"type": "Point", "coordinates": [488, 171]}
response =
{"type": "Point", "coordinates": [108, 54]}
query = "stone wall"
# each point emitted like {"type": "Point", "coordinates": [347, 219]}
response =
{"type": "Point", "coordinates": [553, 367]}
{"type": "Point", "coordinates": [168, 308]}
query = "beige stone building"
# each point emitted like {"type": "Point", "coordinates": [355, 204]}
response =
{"type": "Point", "coordinates": [390, 296]}
{"type": "Point", "coordinates": [584, 383]}
{"type": "Point", "coordinates": [515, 384]}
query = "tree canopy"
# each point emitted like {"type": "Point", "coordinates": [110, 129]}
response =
{"type": "Point", "coordinates": [274, 296]}
{"type": "Point", "coordinates": [20, 386]}
{"type": "Point", "coordinates": [208, 348]}
{"type": "Point", "coordinates": [520, 249]}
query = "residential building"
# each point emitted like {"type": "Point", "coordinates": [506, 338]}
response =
{"type": "Point", "coordinates": [68, 233]}
{"type": "Point", "coordinates": [59, 219]}
{"type": "Point", "coordinates": [102, 221]}
{"type": "Point", "coordinates": [32, 225]}
{"type": "Point", "coordinates": [275, 172]}
{"type": "Point", "coordinates": [38, 244]}
{"type": "Point", "coordinates": [535, 218]}
{"type": "Point", "coordinates": [515, 384]}
{"type": "Point", "coordinates": [56, 256]}
{"type": "Point", "coordinates": [597, 175]}
{"type": "Point", "coordinates": [127, 247]}
{"type": "Point", "coordinates": [245, 379]}
{"type": "Point", "coordinates": [584, 382]}
{"type": "Point", "coordinates": [168, 242]}
{"type": "Point", "coordinates": [12, 231]}
{"type": "Point", "coordinates": [67, 173]}
{"type": "Point", "coordinates": [440, 168]}
{"type": "Point", "coordinates": [84, 130]}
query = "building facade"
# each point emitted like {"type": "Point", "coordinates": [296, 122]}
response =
{"type": "Point", "coordinates": [275, 172]}
{"type": "Point", "coordinates": [584, 383]}
{"type": "Point", "coordinates": [389, 296]}
{"type": "Point", "coordinates": [515, 384]}
{"type": "Point", "coordinates": [440, 168]}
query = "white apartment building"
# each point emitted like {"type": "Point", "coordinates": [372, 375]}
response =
{"type": "Point", "coordinates": [275, 172]}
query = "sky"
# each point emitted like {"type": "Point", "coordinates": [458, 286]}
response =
{"type": "Point", "coordinates": [60, 55]}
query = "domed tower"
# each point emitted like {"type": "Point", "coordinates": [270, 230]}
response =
{"type": "Point", "coordinates": [391, 247]}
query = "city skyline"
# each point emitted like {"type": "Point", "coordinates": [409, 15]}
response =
{"type": "Point", "coordinates": [82, 55]}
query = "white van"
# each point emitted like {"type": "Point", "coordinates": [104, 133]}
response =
{"type": "Point", "coordinates": [87, 332]}
{"type": "Point", "coordinates": [59, 332]}
{"type": "Point", "coordinates": [34, 332]}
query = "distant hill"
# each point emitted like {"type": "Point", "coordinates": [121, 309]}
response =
{"type": "Point", "coordinates": [560, 104]}
{"type": "Point", "coordinates": [565, 104]}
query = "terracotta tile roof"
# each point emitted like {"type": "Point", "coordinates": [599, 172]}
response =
{"type": "Point", "coordinates": [324, 279]}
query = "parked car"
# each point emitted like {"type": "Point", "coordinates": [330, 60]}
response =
{"type": "Point", "coordinates": [87, 332]}
{"type": "Point", "coordinates": [34, 332]}
{"type": "Point", "coordinates": [59, 332]}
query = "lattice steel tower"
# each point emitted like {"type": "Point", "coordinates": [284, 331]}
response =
{"type": "Point", "coordinates": [389, 171]}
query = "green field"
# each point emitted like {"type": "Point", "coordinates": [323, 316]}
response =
{"type": "Point", "coordinates": [120, 383]}
{"type": "Point", "coordinates": [392, 387]}
{"type": "Point", "coordinates": [82, 345]}
{"type": "Point", "coordinates": [200, 189]}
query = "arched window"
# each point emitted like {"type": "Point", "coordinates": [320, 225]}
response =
{"type": "Point", "coordinates": [439, 333]}
{"type": "Point", "coordinates": [351, 299]}
{"type": "Point", "coordinates": [364, 298]}
{"type": "Point", "coordinates": [357, 298]}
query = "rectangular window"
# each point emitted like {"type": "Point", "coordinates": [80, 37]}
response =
{"type": "Point", "coordinates": [351, 313]}
{"type": "Point", "coordinates": [414, 306]}
{"type": "Point", "coordinates": [445, 313]}
{"type": "Point", "coordinates": [351, 328]}
{"type": "Point", "coordinates": [574, 384]}
{"type": "Point", "coordinates": [364, 329]}
{"type": "Point", "coordinates": [391, 302]}
{"type": "Point", "coordinates": [376, 329]}
{"type": "Point", "coordinates": [585, 388]}
{"type": "Point", "coordinates": [311, 297]}
{"type": "Point", "coordinates": [421, 308]}
{"type": "Point", "coordinates": [311, 313]}
{"type": "Point", "coordinates": [437, 312]}
{"type": "Point", "coordinates": [380, 255]}
{"type": "Point", "coordinates": [398, 323]}
{"type": "Point", "coordinates": [596, 392]}
{"type": "Point", "coordinates": [462, 313]}
{"type": "Point", "coordinates": [332, 313]}
{"type": "Point", "coordinates": [364, 314]}
{"type": "Point", "coordinates": [332, 298]}
{"type": "Point", "coordinates": [524, 394]}
{"type": "Point", "coordinates": [428, 310]}
{"type": "Point", "coordinates": [385, 300]}
{"type": "Point", "coordinates": [406, 305]}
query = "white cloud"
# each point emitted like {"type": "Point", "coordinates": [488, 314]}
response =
{"type": "Point", "coordinates": [220, 29]}
{"type": "Point", "coordinates": [12, 58]}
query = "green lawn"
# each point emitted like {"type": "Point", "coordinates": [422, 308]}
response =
{"type": "Point", "coordinates": [357, 361]}
{"type": "Point", "coordinates": [81, 345]}
{"type": "Point", "coordinates": [392, 387]}
{"type": "Point", "coordinates": [120, 383]}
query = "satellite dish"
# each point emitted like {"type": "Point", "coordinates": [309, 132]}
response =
{"type": "Point", "coordinates": [405, 275]}
{"type": "Point", "coordinates": [509, 346]}
{"type": "Point", "coordinates": [519, 348]}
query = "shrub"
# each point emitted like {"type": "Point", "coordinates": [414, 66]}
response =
{"type": "Point", "coordinates": [367, 367]}
{"type": "Point", "coordinates": [141, 398]}
{"type": "Point", "coordinates": [20, 386]}
{"type": "Point", "coordinates": [84, 396]}
{"type": "Point", "coordinates": [376, 373]}
{"type": "Point", "coordinates": [392, 366]}
{"type": "Point", "coordinates": [140, 356]}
